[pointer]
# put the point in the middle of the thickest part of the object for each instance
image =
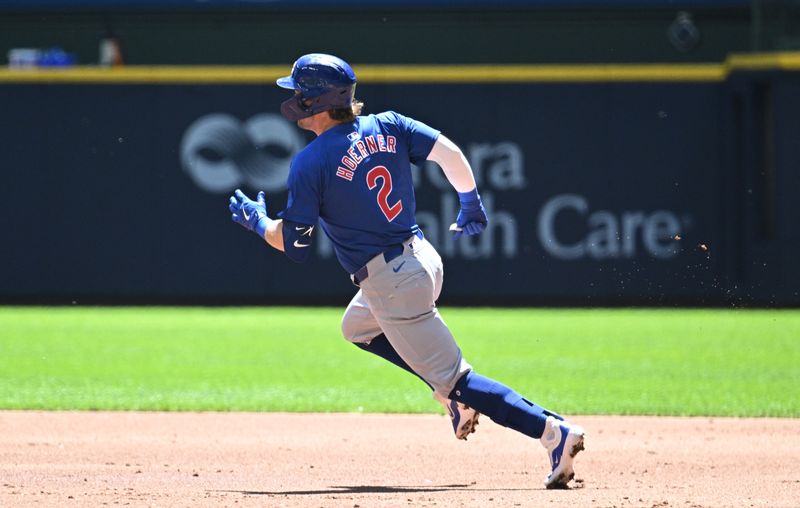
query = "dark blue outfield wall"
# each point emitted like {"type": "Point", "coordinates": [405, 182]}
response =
{"type": "Point", "coordinates": [345, 4]}
{"type": "Point", "coordinates": [598, 193]}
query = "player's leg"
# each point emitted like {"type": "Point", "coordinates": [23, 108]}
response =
{"type": "Point", "coordinates": [414, 328]}
{"type": "Point", "coordinates": [360, 327]}
{"type": "Point", "coordinates": [492, 398]}
{"type": "Point", "coordinates": [506, 407]}
{"type": "Point", "coordinates": [502, 404]}
{"type": "Point", "coordinates": [380, 346]}
{"type": "Point", "coordinates": [403, 305]}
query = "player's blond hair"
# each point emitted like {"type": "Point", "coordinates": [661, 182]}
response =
{"type": "Point", "coordinates": [347, 114]}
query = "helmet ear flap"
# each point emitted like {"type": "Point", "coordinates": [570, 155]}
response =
{"type": "Point", "coordinates": [292, 109]}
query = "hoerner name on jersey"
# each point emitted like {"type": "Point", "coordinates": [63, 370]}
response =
{"type": "Point", "coordinates": [362, 149]}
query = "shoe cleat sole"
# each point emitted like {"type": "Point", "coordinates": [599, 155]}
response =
{"type": "Point", "coordinates": [562, 478]}
{"type": "Point", "coordinates": [468, 427]}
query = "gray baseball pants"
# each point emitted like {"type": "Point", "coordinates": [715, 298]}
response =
{"type": "Point", "coordinates": [398, 299]}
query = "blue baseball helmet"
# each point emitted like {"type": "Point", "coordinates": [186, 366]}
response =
{"type": "Point", "coordinates": [321, 83]}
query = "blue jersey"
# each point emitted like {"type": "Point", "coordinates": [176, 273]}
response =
{"type": "Point", "coordinates": [355, 179]}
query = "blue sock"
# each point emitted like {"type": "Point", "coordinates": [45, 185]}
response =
{"type": "Point", "coordinates": [380, 346]}
{"type": "Point", "coordinates": [502, 404]}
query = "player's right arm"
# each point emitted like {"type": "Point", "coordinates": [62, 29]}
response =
{"type": "Point", "coordinates": [454, 164]}
{"type": "Point", "coordinates": [425, 143]}
{"type": "Point", "coordinates": [472, 216]}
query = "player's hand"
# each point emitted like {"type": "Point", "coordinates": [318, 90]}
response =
{"type": "Point", "coordinates": [250, 214]}
{"type": "Point", "coordinates": [472, 217]}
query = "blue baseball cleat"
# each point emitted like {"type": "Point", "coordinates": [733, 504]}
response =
{"type": "Point", "coordinates": [463, 417]}
{"type": "Point", "coordinates": [562, 441]}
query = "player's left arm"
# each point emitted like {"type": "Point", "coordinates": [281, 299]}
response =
{"type": "Point", "coordinates": [291, 238]}
{"type": "Point", "coordinates": [252, 215]}
{"type": "Point", "coordinates": [472, 217]}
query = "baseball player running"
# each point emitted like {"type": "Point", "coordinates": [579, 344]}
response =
{"type": "Point", "coordinates": [354, 180]}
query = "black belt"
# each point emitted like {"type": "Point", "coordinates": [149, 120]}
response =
{"type": "Point", "coordinates": [389, 254]}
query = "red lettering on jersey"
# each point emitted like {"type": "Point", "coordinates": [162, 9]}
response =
{"type": "Point", "coordinates": [362, 149]}
{"type": "Point", "coordinates": [344, 173]}
{"type": "Point", "coordinates": [355, 157]}
{"type": "Point", "coordinates": [347, 161]}
{"type": "Point", "coordinates": [373, 147]}
{"type": "Point", "coordinates": [381, 143]}
{"type": "Point", "coordinates": [391, 143]}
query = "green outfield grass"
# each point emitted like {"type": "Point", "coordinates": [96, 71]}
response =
{"type": "Point", "coordinates": [622, 361]}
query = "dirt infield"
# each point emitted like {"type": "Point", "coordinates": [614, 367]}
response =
{"type": "Point", "coordinates": [240, 460]}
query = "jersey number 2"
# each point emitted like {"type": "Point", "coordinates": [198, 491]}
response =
{"type": "Point", "coordinates": [391, 212]}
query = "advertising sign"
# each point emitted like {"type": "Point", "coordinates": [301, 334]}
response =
{"type": "Point", "coordinates": [596, 192]}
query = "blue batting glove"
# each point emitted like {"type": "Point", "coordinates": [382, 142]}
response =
{"type": "Point", "coordinates": [252, 215]}
{"type": "Point", "coordinates": [471, 218]}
